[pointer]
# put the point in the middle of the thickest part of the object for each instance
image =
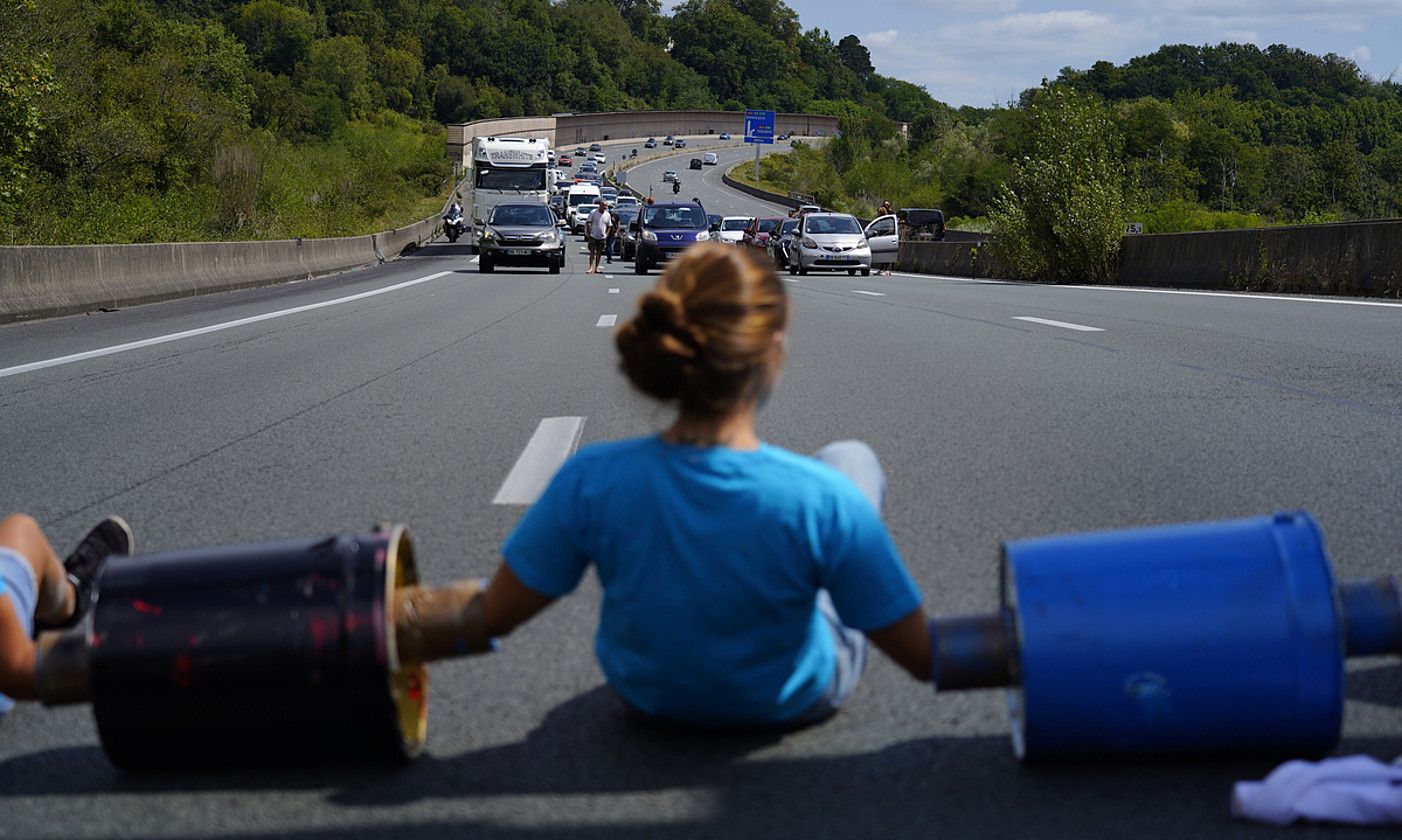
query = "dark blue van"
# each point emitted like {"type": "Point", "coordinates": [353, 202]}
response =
{"type": "Point", "coordinates": [666, 229]}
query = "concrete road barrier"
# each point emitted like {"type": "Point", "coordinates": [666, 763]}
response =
{"type": "Point", "coordinates": [39, 281]}
{"type": "Point", "coordinates": [1350, 258]}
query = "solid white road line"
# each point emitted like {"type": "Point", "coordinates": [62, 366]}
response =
{"type": "Point", "coordinates": [608, 276]}
{"type": "Point", "coordinates": [607, 320]}
{"type": "Point", "coordinates": [613, 291]}
{"type": "Point", "coordinates": [1292, 299]}
{"type": "Point", "coordinates": [212, 328]}
{"type": "Point", "coordinates": [555, 439]}
{"type": "Point", "coordinates": [473, 261]}
{"type": "Point", "coordinates": [871, 294]}
{"type": "Point", "coordinates": [1341, 301]}
{"type": "Point", "coordinates": [1062, 324]}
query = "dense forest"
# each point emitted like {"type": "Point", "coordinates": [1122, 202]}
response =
{"type": "Point", "coordinates": [1213, 136]}
{"type": "Point", "coordinates": [150, 120]}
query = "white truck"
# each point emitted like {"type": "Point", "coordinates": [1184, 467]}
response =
{"type": "Point", "coordinates": [507, 169]}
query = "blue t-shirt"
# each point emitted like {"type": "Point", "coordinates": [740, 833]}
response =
{"type": "Point", "coordinates": [711, 560]}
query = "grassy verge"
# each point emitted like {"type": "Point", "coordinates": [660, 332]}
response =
{"type": "Point", "coordinates": [367, 177]}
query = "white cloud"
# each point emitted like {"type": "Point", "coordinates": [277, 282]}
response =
{"type": "Point", "coordinates": [884, 38]}
{"type": "Point", "coordinates": [1361, 55]}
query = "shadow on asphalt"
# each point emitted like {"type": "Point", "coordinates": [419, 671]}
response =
{"type": "Point", "coordinates": [441, 248]}
{"type": "Point", "coordinates": [590, 745]}
{"type": "Point", "coordinates": [1381, 684]}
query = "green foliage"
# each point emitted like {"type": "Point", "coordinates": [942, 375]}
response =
{"type": "Point", "coordinates": [1063, 215]}
{"type": "Point", "coordinates": [1181, 215]}
{"type": "Point", "coordinates": [219, 118]}
{"type": "Point", "coordinates": [25, 78]}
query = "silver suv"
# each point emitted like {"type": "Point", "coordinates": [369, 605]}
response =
{"type": "Point", "coordinates": [521, 234]}
{"type": "Point", "coordinates": [830, 242]}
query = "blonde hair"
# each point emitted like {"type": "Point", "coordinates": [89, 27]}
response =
{"type": "Point", "coordinates": [704, 335]}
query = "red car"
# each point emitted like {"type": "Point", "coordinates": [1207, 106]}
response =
{"type": "Point", "coordinates": [566, 160]}
{"type": "Point", "coordinates": [758, 233]}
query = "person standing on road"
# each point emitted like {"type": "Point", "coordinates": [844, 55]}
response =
{"type": "Point", "coordinates": [37, 590]}
{"type": "Point", "coordinates": [596, 228]}
{"type": "Point", "coordinates": [741, 581]}
{"type": "Point", "coordinates": [611, 244]}
{"type": "Point", "coordinates": [885, 210]}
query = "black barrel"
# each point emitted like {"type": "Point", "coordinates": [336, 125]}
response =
{"type": "Point", "coordinates": [250, 653]}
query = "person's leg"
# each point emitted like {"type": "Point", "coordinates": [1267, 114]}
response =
{"type": "Point", "coordinates": [858, 462]}
{"type": "Point", "coordinates": [53, 594]}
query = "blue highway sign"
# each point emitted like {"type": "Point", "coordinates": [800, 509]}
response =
{"type": "Point", "coordinates": [759, 126]}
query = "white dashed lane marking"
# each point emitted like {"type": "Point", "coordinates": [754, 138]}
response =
{"type": "Point", "coordinates": [555, 439]}
{"type": "Point", "coordinates": [607, 320]}
{"type": "Point", "coordinates": [1062, 324]}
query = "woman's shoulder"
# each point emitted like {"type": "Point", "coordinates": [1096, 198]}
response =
{"type": "Point", "coordinates": [806, 475]}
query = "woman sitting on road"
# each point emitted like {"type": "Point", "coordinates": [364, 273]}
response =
{"type": "Point", "coordinates": [739, 578]}
{"type": "Point", "coordinates": [37, 590]}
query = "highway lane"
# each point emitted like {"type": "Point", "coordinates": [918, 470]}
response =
{"type": "Point", "coordinates": [414, 405]}
{"type": "Point", "coordinates": [705, 184]}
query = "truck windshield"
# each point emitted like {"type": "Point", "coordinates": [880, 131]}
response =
{"type": "Point", "coordinates": [511, 179]}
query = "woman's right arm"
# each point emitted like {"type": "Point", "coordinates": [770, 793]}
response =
{"type": "Point", "coordinates": [908, 643]}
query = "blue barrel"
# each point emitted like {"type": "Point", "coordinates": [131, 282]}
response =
{"type": "Point", "coordinates": [1191, 638]}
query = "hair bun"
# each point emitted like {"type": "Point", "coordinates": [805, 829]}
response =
{"type": "Point", "coordinates": [704, 334]}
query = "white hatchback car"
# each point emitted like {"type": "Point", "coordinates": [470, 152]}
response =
{"type": "Point", "coordinates": [732, 229]}
{"type": "Point", "coordinates": [830, 242]}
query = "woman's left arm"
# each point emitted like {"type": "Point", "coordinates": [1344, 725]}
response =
{"type": "Point", "coordinates": [508, 602]}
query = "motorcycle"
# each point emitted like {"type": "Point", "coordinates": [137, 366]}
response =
{"type": "Point", "coordinates": [453, 225]}
{"type": "Point", "coordinates": [676, 187]}
{"type": "Point", "coordinates": [635, 153]}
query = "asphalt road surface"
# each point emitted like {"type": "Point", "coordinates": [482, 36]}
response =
{"type": "Point", "coordinates": [412, 404]}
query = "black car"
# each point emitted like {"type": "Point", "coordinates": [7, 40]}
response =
{"type": "Point", "coordinates": [595, 147]}
{"type": "Point", "coordinates": [627, 236]}
{"type": "Point", "coordinates": [696, 163]}
{"type": "Point", "coordinates": [650, 144]}
{"type": "Point", "coordinates": [921, 223]}
{"type": "Point", "coordinates": [521, 234]}
{"type": "Point", "coordinates": [780, 241]}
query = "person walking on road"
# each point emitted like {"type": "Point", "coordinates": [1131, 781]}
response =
{"type": "Point", "coordinates": [596, 228]}
{"type": "Point", "coordinates": [611, 244]}
{"type": "Point", "coordinates": [36, 590]}
{"type": "Point", "coordinates": [741, 581]}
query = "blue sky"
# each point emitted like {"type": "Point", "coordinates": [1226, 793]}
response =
{"type": "Point", "coordinates": [978, 52]}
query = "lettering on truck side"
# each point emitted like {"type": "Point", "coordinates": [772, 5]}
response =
{"type": "Point", "coordinates": [513, 156]}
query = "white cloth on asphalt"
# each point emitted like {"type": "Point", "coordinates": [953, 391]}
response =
{"type": "Point", "coordinates": [1356, 790]}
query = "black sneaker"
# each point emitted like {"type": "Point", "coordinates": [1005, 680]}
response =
{"type": "Point", "coordinates": [108, 537]}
